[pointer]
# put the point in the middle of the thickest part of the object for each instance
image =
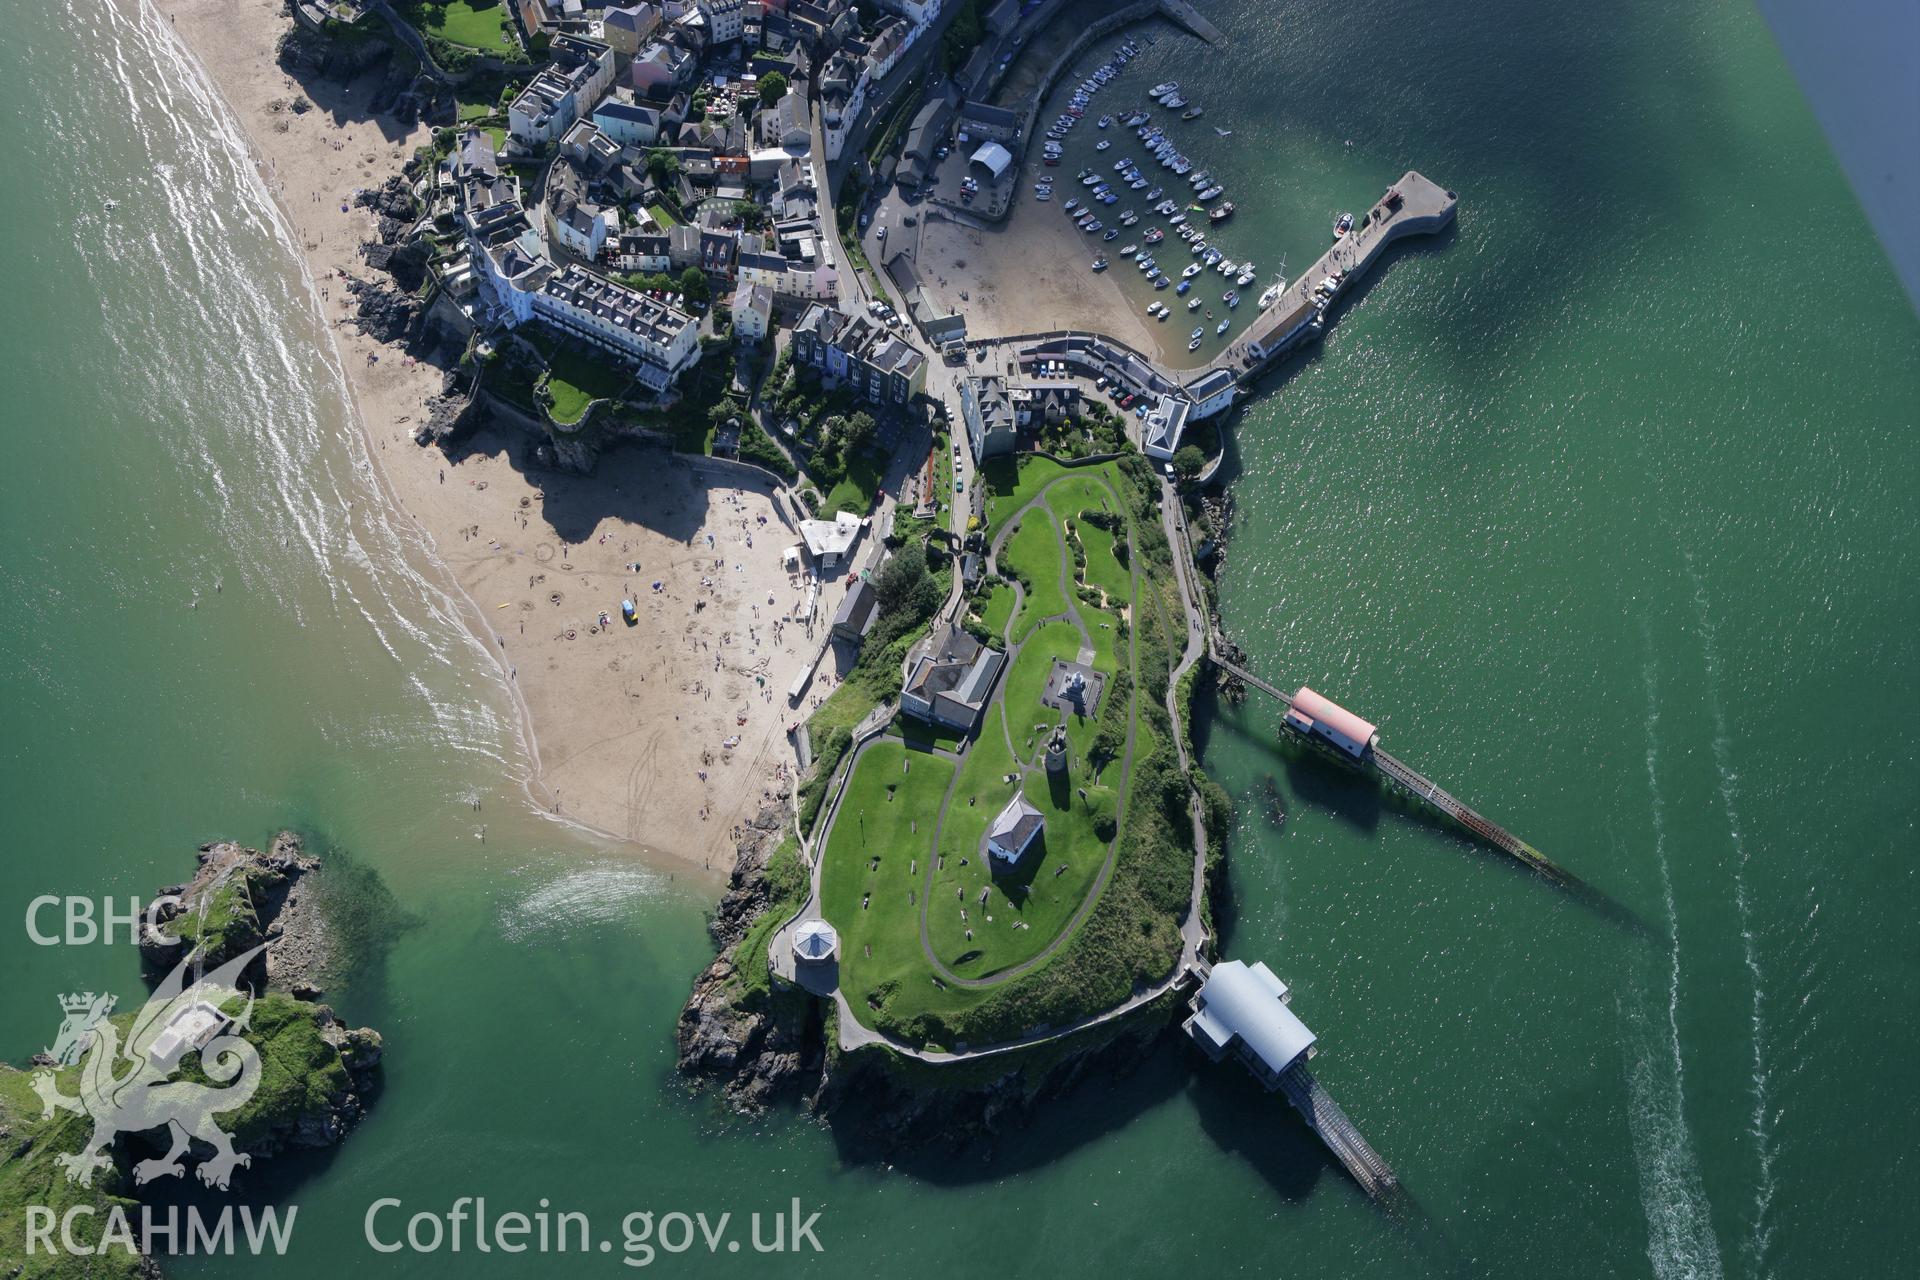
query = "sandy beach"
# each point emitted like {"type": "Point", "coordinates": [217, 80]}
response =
{"type": "Point", "coordinates": [1032, 273]}
{"type": "Point", "coordinates": [668, 732]}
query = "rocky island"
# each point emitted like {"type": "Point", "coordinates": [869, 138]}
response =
{"type": "Point", "coordinates": [234, 1015]}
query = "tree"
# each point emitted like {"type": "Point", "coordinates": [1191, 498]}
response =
{"type": "Point", "coordinates": [752, 216]}
{"type": "Point", "coordinates": [859, 432]}
{"type": "Point", "coordinates": [773, 87]}
{"type": "Point", "coordinates": [662, 164]}
{"type": "Point", "coordinates": [693, 283]}
{"type": "Point", "coordinates": [1188, 463]}
{"type": "Point", "coordinates": [905, 594]}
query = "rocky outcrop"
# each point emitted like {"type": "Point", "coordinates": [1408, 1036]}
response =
{"type": "Point", "coordinates": [759, 1046]}
{"type": "Point", "coordinates": [759, 1051]}
{"type": "Point", "coordinates": [882, 1114]}
{"type": "Point", "coordinates": [383, 313]}
{"type": "Point", "coordinates": [391, 199]}
{"type": "Point", "coordinates": [749, 892]}
{"type": "Point", "coordinates": [238, 899]}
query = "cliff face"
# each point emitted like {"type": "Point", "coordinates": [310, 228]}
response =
{"type": "Point", "coordinates": [759, 1044]}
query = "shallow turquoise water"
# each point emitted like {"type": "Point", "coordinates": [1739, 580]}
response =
{"type": "Point", "coordinates": [1599, 506]}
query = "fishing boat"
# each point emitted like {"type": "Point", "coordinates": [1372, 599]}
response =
{"type": "Point", "coordinates": [1103, 144]}
{"type": "Point", "coordinates": [1155, 194]}
{"type": "Point", "coordinates": [1092, 226]}
{"type": "Point", "coordinates": [1191, 113]}
{"type": "Point", "coordinates": [1154, 236]}
{"type": "Point", "coordinates": [1072, 204]}
{"type": "Point", "coordinates": [1198, 330]}
{"type": "Point", "coordinates": [1128, 250]}
{"type": "Point", "coordinates": [1344, 225]}
{"type": "Point", "coordinates": [1104, 121]}
{"type": "Point", "coordinates": [1193, 344]}
{"type": "Point", "coordinates": [1183, 286]}
{"type": "Point", "coordinates": [1193, 304]}
{"type": "Point", "coordinates": [1161, 90]}
{"type": "Point", "coordinates": [1160, 281]}
{"type": "Point", "coordinates": [1223, 326]}
{"type": "Point", "coordinates": [1176, 219]}
{"type": "Point", "coordinates": [1100, 263]}
{"type": "Point", "coordinates": [1173, 102]}
{"type": "Point", "coordinates": [1221, 212]}
{"type": "Point", "coordinates": [1225, 133]}
{"type": "Point", "coordinates": [1128, 218]}
{"type": "Point", "coordinates": [1191, 270]}
{"type": "Point", "coordinates": [1213, 191]}
{"type": "Point", "coordinates": [1245, 277]}
{"type": "Point", "coordinates": [1231, 298]}
{"type": "Point", "coordinates": [1111, 233]}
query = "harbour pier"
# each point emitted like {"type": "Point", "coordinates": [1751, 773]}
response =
{"type": "Point", "coordinates": [1415, 205]}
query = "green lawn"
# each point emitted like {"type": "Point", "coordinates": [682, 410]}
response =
{"type": "Point", "coordinates": [577, 378]}
{"type": "Point", "coordinates": [877, 855]}
{"type": "Point", "coordinates": [856, 490]}
{"type": "Point", "coordinates": [1011, 483]}
{"type": "Point", "coordinates": [477, 24]}
{"type": "Point", "coordinates": [1033, 553]}
{"type": "Point", "coordinates": [996, 608]}
{"type": "Point", "coordinates": [875, 863]}
{"type": "Point", "coordinates": [1026, 906]}
{"type": "Point", "coordinates": [660, 215]}
{"type": "Point", "coordinates": [1104, 570]}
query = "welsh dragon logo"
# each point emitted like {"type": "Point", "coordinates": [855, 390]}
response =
{"type": "Point", "coordinates": [129, 1087]}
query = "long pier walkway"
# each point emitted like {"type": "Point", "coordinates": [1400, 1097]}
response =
{"type": "Point", "coordinates": [1416, 784]}
{"type": "Point", "coordinates": [1493, 833]}
{"type": "Point", "coordinates": [1325, 1117]}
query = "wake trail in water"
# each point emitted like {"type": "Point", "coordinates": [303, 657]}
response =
{"type": "Point", "coordinates": [1681, 1244]}
{"type": "Point", "coordinates": [1761, 1117]}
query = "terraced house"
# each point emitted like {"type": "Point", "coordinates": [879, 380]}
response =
{"type": "Point", "coordinates": [580, 72]}
{"type": "Point", "coordinates": [660, 341]}
{"type": "Point", "coordinates": [880, 366]}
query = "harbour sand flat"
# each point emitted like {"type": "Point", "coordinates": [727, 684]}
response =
{"type": "Point", "coordinates": [623, 721]}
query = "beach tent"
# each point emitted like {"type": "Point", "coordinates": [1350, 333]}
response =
{"type": "Point", "coordinates": [994, 158]}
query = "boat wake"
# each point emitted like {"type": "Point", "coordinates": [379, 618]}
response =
{"type": "Point", "coordinates": [1761, 1115]}
{"type": "Point", "coordinates": [1681, 1244]}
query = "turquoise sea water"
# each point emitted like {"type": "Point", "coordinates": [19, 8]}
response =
{"type": "Point", "coordinates": [1601, 506]}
